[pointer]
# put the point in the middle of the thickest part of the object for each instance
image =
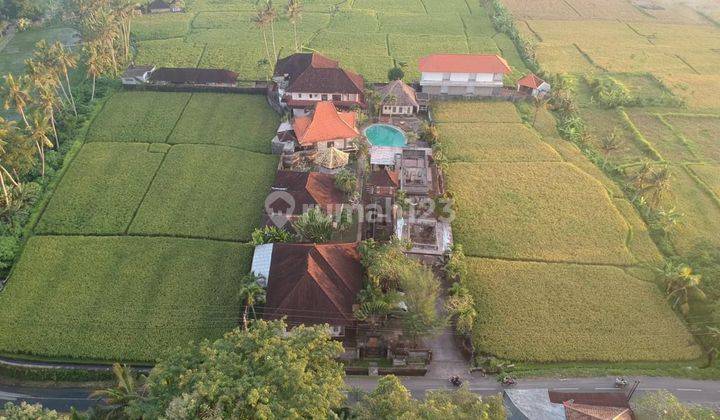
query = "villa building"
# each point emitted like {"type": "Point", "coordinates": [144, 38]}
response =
{"type": "Point", "coordinates": [304, 79]}
{"type": "Point", "coordinates": [136, 75]}
{"type": "Point", "coordinates": [533, 85]}
{"type": "Point", "coordinates": [311, 284]}
{"type": "Point", "coordinates": [326, 127]}
{"type": "Point", "coordinates": [193, 76]}
{"type": "Point", "coordinates": [463, 74]}
{"type": "Point", "coordinates": [398, 99]}
{"type": "Point", "coordinates": [293, 193]}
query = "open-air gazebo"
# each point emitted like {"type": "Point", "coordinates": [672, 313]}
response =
{"type": "Point", "coordinates": [330, 160]}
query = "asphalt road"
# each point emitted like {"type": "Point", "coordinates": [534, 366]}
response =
{"type": "Point", "coordinates": [691, 391]}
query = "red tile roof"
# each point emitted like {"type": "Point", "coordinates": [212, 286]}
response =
{"type": "Point", "coordinates": [325, 124]}
{"type": "Point", "coordinates": [531, 81]}
{"type": "Point", "coordinates": [313, 284]}
{"type": "Point", "coordinates": [464, 63]}
{"type": "Point", "coordinates": [307, 189]}
{"type": "Point", "coordinates": [574, 411]}
{"type": "Point", "coordinates": [314, 73]}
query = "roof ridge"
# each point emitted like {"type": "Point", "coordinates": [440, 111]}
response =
{"type": "Point", "coordinates": [316, 257]}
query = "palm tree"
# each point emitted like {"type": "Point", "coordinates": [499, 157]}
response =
{"type": "Point", "coordinates": [658, 183]}
{"type": "Point", "coordinates": [65, 61]}
{"type": "Point", "coordinates": [294, 14]}
{"type": "Point", "coordinates": [94, 63]}
{"type": "Point", "coordinates": [124, 10]}
{"type": "Point", "coordinates": [609, 144]}
{"type": "Point", "coordinates": [121, 395]}
{"type": "Point", "coordinates": [540, 102]}
{"type": "Point", "coordinates": [639, 179]}
{"type": "Point", "coordinates": [38, 131]}
{"type": "Point", "coordinates": [314, 226]}
{"type": "Point", "coordinates": [7, 131]}
{"type": "Point", "coordinates": [250, 293]}
{"type": "Point", "coordinates": [271, 16]}
{"type": "Point", "coordinates": [261, 22]}
{"type": "Point", "coordinates": [45, 57]}
{"type": "Point", "coordinates": [16, 95]}
{"type": "Point", "coordinates": [680, 284]}
{"type": "Point", "coordinates": [47, 101]}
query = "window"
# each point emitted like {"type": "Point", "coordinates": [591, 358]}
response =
{"type": "Point", "coordinates": [331, 144]}
{"type": "Point", "coordinates": [446, 76]}
{"type": "Point", "coordinates": [324, 97]}
{"type": "Point", "coordinates": [337, 98]}
{"type": "Point", "coordinates": [473, 77]}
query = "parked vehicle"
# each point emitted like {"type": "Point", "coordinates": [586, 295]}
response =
{"type": "Point", "coordinates": [455, 380]}
{"type": "Point", "coordinates": [621, 382]}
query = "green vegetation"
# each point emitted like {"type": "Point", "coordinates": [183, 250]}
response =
{"type": "Point", "coordinates": [560, 312]}
{"type": "Point", "coordinates": [165, 297]}
{"type": "Point", "coordinates": [243, 121]}
{"type": "Point", "coordinates": [143, 117]}
{"type": "Point", "coordinates": [548, 211]}
{"type": "Point", "coordinates": [101, 191]}
{"type": "Point", "coordinates": [206, 191]}
{"type": "Point", "coordinates": [21, 46]}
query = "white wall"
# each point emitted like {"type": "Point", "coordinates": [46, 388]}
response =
{"type": "Point", "coordinates": [434, 77]}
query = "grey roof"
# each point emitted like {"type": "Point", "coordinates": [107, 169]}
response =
{"type": "Point", "coordinates": [403, 94]}
{"type": "Point", "coordinates": [137, 71]}
{"type": "Point", "coordinates": [261, 262]}
{"type": "Point", "coordinates": [384, 155]}
{"type": "Point", "coordinates": [531, 404]}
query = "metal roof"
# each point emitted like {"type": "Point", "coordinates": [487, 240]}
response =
{"type": "Point", "coordinates": [384, 155]}
{"type": "Point", "coordinates": [261, 262]}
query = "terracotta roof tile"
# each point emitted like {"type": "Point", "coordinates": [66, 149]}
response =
{"type": "Point", "coordinates": [325, 124]}
{"type": "Point", "coordinates": [464, 63]}
{"type": "Point", "coordinates": [531, 81]}
{"type": "Point", "coordinates": [307, 189]}
{"type": "Point", "coordinates": [574, 411]}
{"type": "Point", "coordinates": [314, 284]}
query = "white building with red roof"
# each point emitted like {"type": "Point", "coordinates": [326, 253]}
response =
{"type": "Point", "coordinates": [463, 74]}
{"type": "Point", "coordinates": [533, 85]}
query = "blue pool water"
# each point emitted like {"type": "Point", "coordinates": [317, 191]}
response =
{"type": "Point", "coordinates": [385, 135]}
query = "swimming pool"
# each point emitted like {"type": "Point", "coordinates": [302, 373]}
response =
{"type": "Point", "coordinates": [385, 135]}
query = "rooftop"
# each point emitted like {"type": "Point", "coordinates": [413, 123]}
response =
{"type": "Point", "coordinates": [531, 81]}
{"type": "Point", "coordinates": [325, 124]}
{"type": "Point", "coordinates": [463, 63]}
{"type": "Point", "coordinates": [312, 72]}
{"type": "Point", "coordinates": [307, 189]}
{"type": "Point", "coordinates": [189, 75]}
{"type": "Point", "coordinates": [401, 94]}
{"type": "Point", "coordinates": [313, 284]}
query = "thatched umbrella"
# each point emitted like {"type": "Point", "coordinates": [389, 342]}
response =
{"type": "Point", "coordinates": [330, 158]}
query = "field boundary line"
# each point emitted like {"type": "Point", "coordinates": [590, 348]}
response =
{"type": "Point", "coordinates": [530, 28]}
{"type": "Point", "coordinates": [588, 58]}
{"type": "Point", "coordinates": [645, 146]}
{"type": "Point", "coordinates": [703, 186]}
{"type": "Point", "coordinates": [680, 136]}
{"type": "Point", "coordinates": [147, 191]}
{"type": "Point", "coordinates": [422, 3]}
{"type": "Point", "coordinates": [645, 37]}
{"type": "Point", "coordinates": [468, 6]}
{"type": "Point", "coordinates": [142, 235]}
{"type": "Point", "coordinates": [573, 8]}
{"type": "Point", "coordinates": [540, 261]}
{"type": "Point", "coordinates": [688, 64]}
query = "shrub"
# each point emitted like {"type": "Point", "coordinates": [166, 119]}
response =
{"type": "Point", "coordinates": [396, 73]}
{"type": "Point", "coordinates": [270, 235]}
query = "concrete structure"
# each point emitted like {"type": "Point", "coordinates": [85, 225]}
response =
{"type": "Point", "coordinates": [137, 75]}
{"type": "Point", "coordinates": [462, 74]}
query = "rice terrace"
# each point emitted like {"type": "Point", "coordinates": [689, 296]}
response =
{"type": "Point", "coordinates": [577, 143]}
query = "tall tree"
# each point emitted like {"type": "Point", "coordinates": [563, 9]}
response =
{"type": "Point", "coordinates": [609, 144]}
{"type": "Point", "coordinates": [271, 16]}
{"type": "Point", "coordinates": [38, 134]}
{"type": "Point", "coordinates": [294, 15]}
{"type": "Point", "coordinates": [124, 10]}
{"type": "Point", "coordinates": [250, 293]}
{"type": "Point", "coordinates": [118, 398]}
{"type": "Point", "coordinates": [16, 95]}
{"type": "Point", "coordinates": [47, 102]}
{"type": "Point", "coordinates": [95, 64]}
{"type": "Point", "coordinates": [265, 372]}
{"type": "Point", "coordinates": [261, 22]}
{"type": "Point", "coordinates": [680, 285]}
{"type": "Point", "coordinates": [65, 61]}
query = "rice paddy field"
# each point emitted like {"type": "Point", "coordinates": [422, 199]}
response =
{"type": "Point", "coordinates": [548, 236]}
{"type": "Point", "coordinates": [145, 238]}
{"type": "Point", "coordinates": [221, 34]}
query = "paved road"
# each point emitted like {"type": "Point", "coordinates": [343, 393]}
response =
{"type": "Point", "coordinates": [692, 391]}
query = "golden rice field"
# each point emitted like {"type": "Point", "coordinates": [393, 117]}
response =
{"type": "Point", "coordinates": [564, 312]}
{"type": "Point", "coordinates": [479, 143]}
{"type": "Point", "coordinates": [536, 211]}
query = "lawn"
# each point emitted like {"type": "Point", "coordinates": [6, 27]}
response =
{"type": "Point", "coordinates": [244, 121]}
{"type": "Point", "coordinates": [497, 142]}
{"type": "Point", "coordinates": [536, 211]}
{"type": "Point", "coordinates": [101, 190]}
{"type": "Point", "coordinates": [564, 312]}
{"type": "Point", "coordinates": [119, 298]}
{"type": "Point", "coordinates": [206, 191]}
{"type": "Point", "coordinates": [145, 117]}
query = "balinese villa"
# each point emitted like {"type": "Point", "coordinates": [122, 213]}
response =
{"type": "Point", "coordinates": [311, 284]}
{"type": "Point", "coordinates": [301, 80]}
{"type": "Point", "coordinates": [399, 99]}
{"type": "Point", "coordinates": [326, 127]}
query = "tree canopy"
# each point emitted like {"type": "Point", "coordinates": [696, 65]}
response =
{"type": "Point", "coordinates": [262, 373]}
